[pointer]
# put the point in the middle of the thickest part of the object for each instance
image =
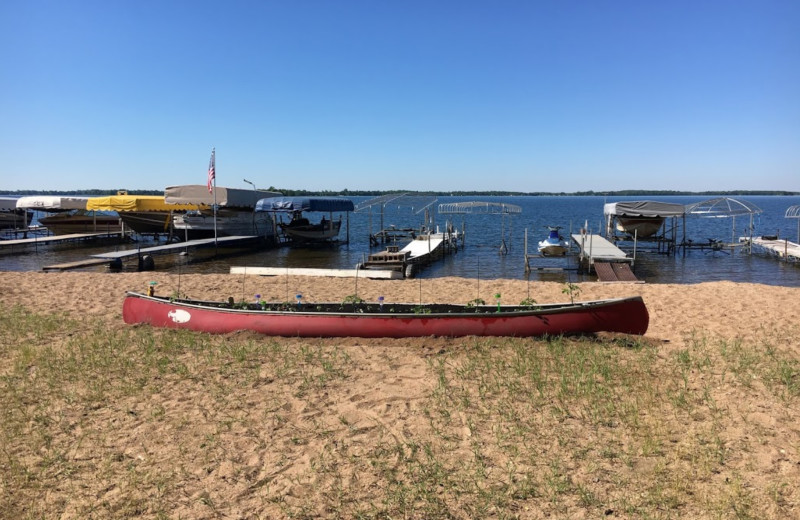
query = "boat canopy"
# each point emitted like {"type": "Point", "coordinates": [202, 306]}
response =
{"type": "Point", "coordinates": [793, 212]}
{"type": "Point", "coordinates": [227, 197]}
{"type": "Point", "coordinates": [644, 208]}
{"type": "Point", "coordinates": [722, 207]}
{"type": "Point", "coordinates": [135, 203]}
{"type": "Point", "coordinates": [290, 204]}
{"type": "Point", "coordinates": [52, 202]}
{"type": "Point", "coordinates": [8, 203]}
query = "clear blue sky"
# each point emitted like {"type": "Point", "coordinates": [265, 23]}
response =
{"type": "Point", "coordinates": [423, 95]}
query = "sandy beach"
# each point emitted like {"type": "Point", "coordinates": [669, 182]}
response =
{"type": "Point", "coordinates": [271, 444]}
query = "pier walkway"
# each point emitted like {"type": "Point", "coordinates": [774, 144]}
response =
{"type": "Point", "coordinates": [116, 257]}
{"type": "Point", "coordinates": [175, 246]}
{"type": "Point", "coordinates": [417, 253]}
{"type": "Point", "coordinates": [594, 248]}
{"type": "Point", "coordinates": [783, 249]}
{"type": "Point", "coordinates": [610, 263]}
{"type": "Point", "coordinates": [24, 243]}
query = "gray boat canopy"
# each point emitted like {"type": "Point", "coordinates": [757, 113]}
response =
{"type": "Point", "coordinates": [644, 208]}
{"type": "Point", "coordinates": [225, 197]}
{"type": "Point", "coordinates": [291, 204]}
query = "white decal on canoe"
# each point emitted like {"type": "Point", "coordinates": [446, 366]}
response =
{"type": "Point", "coordinates": [179, 316]}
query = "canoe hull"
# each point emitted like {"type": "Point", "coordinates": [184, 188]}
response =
{"type": "Point", "coordinates": [627, 316]}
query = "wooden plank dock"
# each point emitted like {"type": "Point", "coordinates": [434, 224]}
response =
{"type": "Point", "coordinates": [610, 272]}
{"type": "Point", "coordinates": [115, 257]}
{"type": "Point", "coordinates": [419, 252]}
{"type": "Point", "coordinates": [77, 264]}
{"type": "Point", "coordinates": [610, 263]}
{"type": "Point", "coordinates": [53, 239]}
{"type": "Point", "coordinates": [175, 246]}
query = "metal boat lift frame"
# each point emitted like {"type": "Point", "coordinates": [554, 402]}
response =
{"type": "Point", "coordinates": [482, 208]}
{"type": "Point", "coordinates": [417, 203]}
{"type": "Point", "coordinates": [726, 207]}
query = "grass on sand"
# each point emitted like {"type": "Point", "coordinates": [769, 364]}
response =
{"type": "Point", "coordinates": [103, 421]}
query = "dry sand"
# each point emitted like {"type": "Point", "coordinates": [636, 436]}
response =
{"type": "Point", "coordinates": [382, 397]}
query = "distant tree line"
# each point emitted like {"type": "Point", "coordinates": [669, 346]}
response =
{"type": "Point", "coordinates": [375, 193]}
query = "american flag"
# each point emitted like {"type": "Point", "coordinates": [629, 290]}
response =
{"type": "Point", "coordinates": [211, 172]}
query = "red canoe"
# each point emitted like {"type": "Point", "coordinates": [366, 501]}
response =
{"type": "Point", "coordinates": [626, 315]}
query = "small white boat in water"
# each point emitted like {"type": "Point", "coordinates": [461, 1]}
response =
{"type": "Point", "coordinates": [554, 244]}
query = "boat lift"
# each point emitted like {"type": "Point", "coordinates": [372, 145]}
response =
{"type": "Point", "coordinates": [725, 207]}
{"type": "Point", "coordinates": [391, 234]}
{"type": "Point", "coordinates": [645, 223]}
{"type": "Point", "coordinates": [483, 208]}
{"type": "Point", "coordinates": [794, 212]}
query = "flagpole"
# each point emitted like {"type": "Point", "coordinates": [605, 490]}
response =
{"type": "Point", "coordinates": [212, 188]}
{"type": "Point", "coordinates": [215, 205]}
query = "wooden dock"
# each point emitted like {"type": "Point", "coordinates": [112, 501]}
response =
{"type": "Point", "coordinates": [594, 248]}
{"type": "Point", "coordinates": [610, 263]}
{"type": "Point", "coordinates": [610, 272]}
{"type": "Point", "coordinates": [382, 274]}
{"type": "Point", "coordinates": [116, 257]}
{"type": "Point", "coordinates": [176, 246]}
{"type": "Point", "coordinates": [24, 243]}
{"type": "Point", "coordinates": [66, 266]}
{"type": "Point", "coordinates": [783, 249]}
{"type": "Point", "coordinates": [419, 252]}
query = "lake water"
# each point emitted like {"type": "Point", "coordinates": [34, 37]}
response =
{"type": "Point", "coordinates": [485, 236]}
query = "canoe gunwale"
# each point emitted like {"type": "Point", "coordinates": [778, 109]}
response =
{"type": "Point", "coordinates": [340, 309]}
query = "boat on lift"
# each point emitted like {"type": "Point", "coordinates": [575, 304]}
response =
{"type": "Point", "coordinates": [299, 229]}
{"type": "Point", "coordinates": [68, 214]}
{"type": "Point", "coordinates": [144, 214]}
{"type": "Point", "coordinates": [554, 244]}
{"type": "Point", "coordinates": [12, 217]}
{"type": "Point", "coordinates": [235, 215]}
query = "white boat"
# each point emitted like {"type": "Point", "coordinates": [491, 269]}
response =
{"type": "Point", "coordinates": [640, 219]}
{"type": "Point", "coordinates": [299, 229]}
{"type": "Point", "coordinates": [554, 244]}
{"type": "Point", "coordinates": [144, 214]}
{"type": "Point", "coordinates": [235, 215]}
{"type": "Point", "coordinates": [229, 222]}
{"type": "Point", "coordinates": [67, 215]}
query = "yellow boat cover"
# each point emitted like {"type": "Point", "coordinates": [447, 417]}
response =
{"type": "Point", "coordinates": [135, 203]}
